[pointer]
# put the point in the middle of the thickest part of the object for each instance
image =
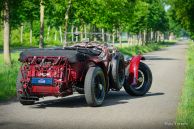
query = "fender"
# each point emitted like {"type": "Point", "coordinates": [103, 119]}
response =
{"type": "Point", "coordinates": [134, 67]}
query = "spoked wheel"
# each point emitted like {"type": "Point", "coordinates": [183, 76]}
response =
{"type": "Point", "coordinates": [144, 81]}
{"type": "Point", "coordinates": [95, 86]}
{"type": "Point", "coordinates": [141, 80]}
{"type": "Point", "coordinates": [98, 90]}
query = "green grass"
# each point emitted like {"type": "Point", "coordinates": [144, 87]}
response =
{"type": "Point", "coordinates": [8, 76]}
{"type": "Point", "coordinates": [185, 113]}
{"type": "Point", "coordinates": [134, 50]}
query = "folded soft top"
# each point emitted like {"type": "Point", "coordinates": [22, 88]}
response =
{"type": "Point", "coordinates": [73, 54]}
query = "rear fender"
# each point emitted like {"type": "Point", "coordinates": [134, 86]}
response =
{"type": "Point", "coordinates": [134, 67]}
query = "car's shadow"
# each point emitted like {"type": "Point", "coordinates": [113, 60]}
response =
{"type": "Point", "coordinates": [113, 98]}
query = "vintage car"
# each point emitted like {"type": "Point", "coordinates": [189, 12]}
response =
{"type": "Point", "coordinates": [89, 68]}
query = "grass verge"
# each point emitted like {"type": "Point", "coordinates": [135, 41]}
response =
{"type": "Point", "coordinates": [134, 50]}
{"type": "Point", "coordinates": [185, 113]}
{"type": "Point", "coordinates": [8, 74]}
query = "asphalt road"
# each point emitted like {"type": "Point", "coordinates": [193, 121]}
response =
{"type": "Point", "coordinates": [155, 110]}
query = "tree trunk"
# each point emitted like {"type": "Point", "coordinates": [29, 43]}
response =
{"type": "Point", "coordinates": [85, 31]}
{"type": "Point", "coordinates": [113, 39]}
{"type": "Point", "coordinates": [144, 37]}
{"type": "Point", "coordinates": [120, 39]}
{"type": "Point", "coordinates": [6, 52]}
{"type": "Point", "coordinates": [128, 38]}
{"type": "Point", "coordinates": [103, 37]}
{"type": "Point", "coordinates": [77, 35]}
{"type": "Point", "coordinates": [66, 23]}
{"type": "Point", "coordinates": [61, 37]}
{"type": "Point", "coordinates": [147, 36]}
{"type": "Point", "coordinates": [163, 37]}
{"type": "Point", "coordinates": [41, 43]}
{"type": "Point", "coordinates": [158, 36]}
{"type": "Point", "coordinates": [154, 36]}
{"type": "Point", "coordinates": [140, 39]}
{"type": "Point", "coordinates": [31, 23]}
{"type": "Point", "coordinates": [117, 35]}
{"type": "Point", "coordinates": [72, 33]}
{"type": "Point", "coordinates": [151, 35]}
{"type": "Point", "coordinates": [21, 33]}
{"type": "Point", "coordinates": [81, 32]}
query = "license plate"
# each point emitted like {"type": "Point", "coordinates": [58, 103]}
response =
{"type": "Point", "coordinates": [41, 81]}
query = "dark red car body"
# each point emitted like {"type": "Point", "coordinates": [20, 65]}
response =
{"type": "Point", "coordinates": [60, 72]}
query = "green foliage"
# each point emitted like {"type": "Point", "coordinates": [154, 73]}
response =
{"type": "Point", "coordinates": [185, 114]}
{"type": "Point", "coordinates": [133, 16]}
{"type": "Point", "coordinates": [148, 15]}
{"type": "Point", "coordinates": [183, 14]}
{"type": "Point", "coordinates": [139, 19]}
{"type": "Point", "coordinates": [113, 14]}
{"type": "Point", "coordinates": [134, 50]}
{"type": "Point", "coordinates": [55, 12]}
{"type": "Point", "coordinates": [8, 76]}
{"type": "Point", "coordinates": [15, 37]}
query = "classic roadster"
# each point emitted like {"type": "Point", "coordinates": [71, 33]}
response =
{"type": "Point", "coordinates": [89, 68]}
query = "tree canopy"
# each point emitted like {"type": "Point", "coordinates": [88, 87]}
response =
{"type": "Point", "coordinates": [182, 13]}
{"type": "Point", "coordinates": [132, 16]}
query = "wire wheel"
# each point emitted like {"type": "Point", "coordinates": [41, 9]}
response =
{"type": "Point", "coordinates": [99, 88]}
{"type": "Point", "coordinates": [144, 81]}
{"type": "Point", "coordinates": [141, 80]}
{"type": "Point", "coordinates": [94, 86]}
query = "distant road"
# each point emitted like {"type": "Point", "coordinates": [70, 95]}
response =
{"type": "Point", "coordinates": [156, 110]}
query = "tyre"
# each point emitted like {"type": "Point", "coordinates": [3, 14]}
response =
{"type": "Point", "coordinates": [18, 87]}
{"type": "Point", "coordinates": [95, 86]}
{"type": "Point", "coordinates": [144, 81]}
{"type": "Point", "coordinates": [118, 72]}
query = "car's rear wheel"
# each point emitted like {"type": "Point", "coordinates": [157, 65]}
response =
{"type": "Point", "coordinates": [143, 83]}
{"type": "Point", "coordinates": [95, 86]}
{"type": "Point", "coordinates": [18, 88]}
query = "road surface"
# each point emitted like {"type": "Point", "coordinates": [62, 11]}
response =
{"type": "Point", "coordinates": [120, 111]}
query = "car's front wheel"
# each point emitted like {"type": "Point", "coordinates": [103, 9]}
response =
{"type": "Point", "coordinates": [144, 81]}
{"type": "Point", "coordinates": [95, 86]}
